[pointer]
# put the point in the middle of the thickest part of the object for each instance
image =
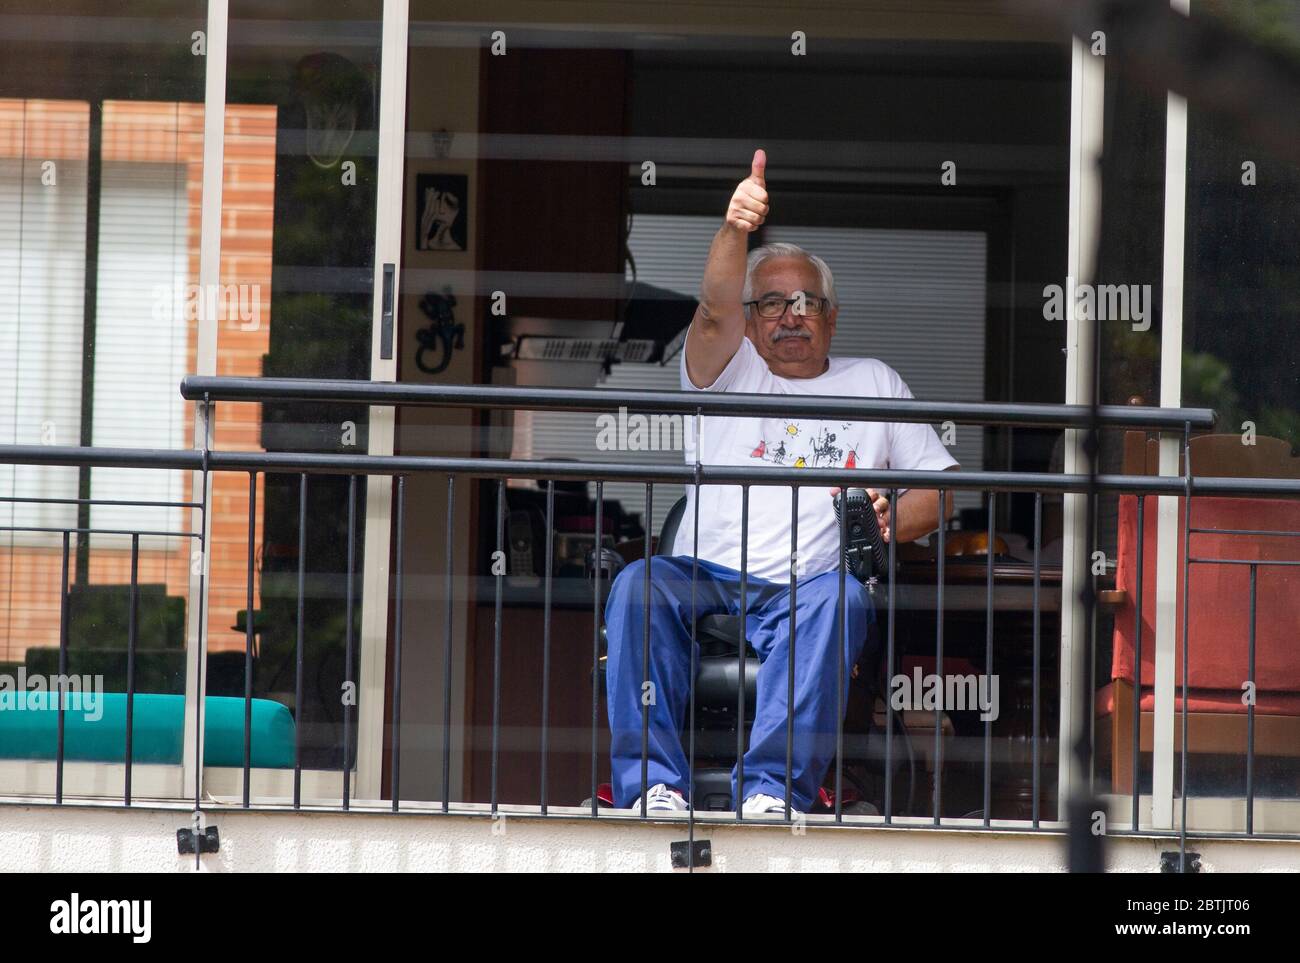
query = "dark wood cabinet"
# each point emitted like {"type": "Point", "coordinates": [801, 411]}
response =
{"type": "Point", "coordinates": [522, 682]}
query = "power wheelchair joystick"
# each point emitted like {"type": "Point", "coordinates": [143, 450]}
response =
{"type": "Point", "coordinates": [864, 547]}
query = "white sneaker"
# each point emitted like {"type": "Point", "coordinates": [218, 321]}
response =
{"type": "Point", "coordinates": [661, 799]}
{"type": "Point", "coordinates": [761, 804]}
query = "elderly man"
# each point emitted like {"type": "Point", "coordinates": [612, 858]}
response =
{"type": "Point", "coordinates": [764, 324]}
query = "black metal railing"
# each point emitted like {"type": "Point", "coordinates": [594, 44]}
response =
{"type": "Point", "coordinates": [59, 693]}
{"type": "Point", "coordinates": [210, 391]}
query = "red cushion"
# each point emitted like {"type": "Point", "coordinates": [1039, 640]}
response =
{"type": "Point", "coordinates": [1220, 599]}
{"type": "Point", "coordinates": [1208, 700]}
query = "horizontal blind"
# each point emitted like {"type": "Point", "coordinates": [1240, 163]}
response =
{"type": "Point", "coordinates": [42, 275]}
{"type": "Point", "coordinates": [141, 340]}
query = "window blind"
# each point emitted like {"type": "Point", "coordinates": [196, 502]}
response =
{"type": "Point", "coordinates": [42, 272]}
{"type": "Point", "coordinates": [141, 339]}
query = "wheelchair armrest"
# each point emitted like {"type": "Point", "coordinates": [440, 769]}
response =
{"type": "Point", "coordinates": [609, 561]}
{"type": "Point", "coordinates": [1112, 600]}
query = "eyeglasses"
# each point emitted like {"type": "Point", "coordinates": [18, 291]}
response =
{"type": "Point", "coordinates": [803, 305]}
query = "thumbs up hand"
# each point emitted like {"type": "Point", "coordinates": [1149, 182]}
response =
{"type": "Point", "coordinates": [748, 208]}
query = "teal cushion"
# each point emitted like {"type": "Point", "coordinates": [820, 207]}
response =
{"type": "Point", "coordinates": [95, 729]}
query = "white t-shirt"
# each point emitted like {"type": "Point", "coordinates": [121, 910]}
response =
{"type": "Point", "coordinates": [798, 442]}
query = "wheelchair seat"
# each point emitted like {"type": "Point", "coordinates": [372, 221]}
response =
{"type": "Point", "coordinates": [719, 628]}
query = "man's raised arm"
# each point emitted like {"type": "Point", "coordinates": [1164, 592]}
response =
{"type": "Point", "coordinates": [719, 322]}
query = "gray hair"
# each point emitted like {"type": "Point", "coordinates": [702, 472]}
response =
{"type": "Point", "coordinates": [769, 251]}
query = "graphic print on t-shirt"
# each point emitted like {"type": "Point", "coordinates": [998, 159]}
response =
{"type": "Point", "coordinates": [806, 449]}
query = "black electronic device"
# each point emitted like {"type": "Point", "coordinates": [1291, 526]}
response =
{"type": "Point", "coordinates": [864, 547]}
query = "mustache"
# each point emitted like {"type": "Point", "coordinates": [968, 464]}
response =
{"type": "Point", "coordinates": [780, 334]}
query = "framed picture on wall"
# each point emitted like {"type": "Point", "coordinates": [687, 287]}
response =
{"type": "Point", "coordinates": [441, 212]}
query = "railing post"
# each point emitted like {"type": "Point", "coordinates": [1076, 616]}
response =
{"type": "Point", "coordinates": [196, 610]}
{"type": "Point", "coordinates": [1087, 90]}
{"type": "Point", "coordinates": [1171, 382]}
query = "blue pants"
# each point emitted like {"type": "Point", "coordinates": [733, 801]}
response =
{"type": "Point", "coordinates": [717, 591]}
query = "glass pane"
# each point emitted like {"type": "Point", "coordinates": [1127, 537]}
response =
{"type": "Point", "coordinates": [1241, 357]}
{"type": "Point", "coordinates": [298, 247]}
{"type": "Point", "coordinates": [590, 168]}
{"type": "Point", "coordinates": [1129, 323]}
{"type": "Point", "coordinates": [101, 121]}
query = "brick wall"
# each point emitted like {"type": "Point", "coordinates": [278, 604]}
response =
{"type": "Point", "coordinates": [153, 132]}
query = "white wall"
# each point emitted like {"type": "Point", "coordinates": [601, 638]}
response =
{"type": "Point", "coordinates": [102, 840]}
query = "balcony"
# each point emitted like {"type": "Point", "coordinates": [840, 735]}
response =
{"type": "Point", "coordinates": [508, 721]}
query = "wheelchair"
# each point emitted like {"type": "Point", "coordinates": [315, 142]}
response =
{"type": "Point", "coordinates": [717, 719]}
